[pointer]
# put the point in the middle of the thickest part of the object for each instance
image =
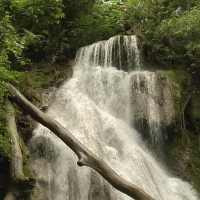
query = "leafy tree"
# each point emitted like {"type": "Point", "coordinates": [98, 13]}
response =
{"type": "Point", "coordinates": [103, 21]}
{"type": "Point", "coordinates": [183, 34]}
{"type": "Point", "coordinates": [169, 28]}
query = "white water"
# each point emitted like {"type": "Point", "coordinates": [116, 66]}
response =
{"type": "Point", "coordinates": [97, 106]}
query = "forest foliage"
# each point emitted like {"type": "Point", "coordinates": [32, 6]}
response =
{"type": "Point", "coordinates": [170, 29]}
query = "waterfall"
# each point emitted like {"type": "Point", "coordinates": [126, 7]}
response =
{"type": "Point", "coordinates": [120, 51]}
{"type": "Point", "coordinates": [101, 105]}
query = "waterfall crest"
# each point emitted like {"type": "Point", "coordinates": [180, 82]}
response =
{"type": "Point", "coordinates": [119, 51]}
{"type": "Point", "coordinates": [99, 105]}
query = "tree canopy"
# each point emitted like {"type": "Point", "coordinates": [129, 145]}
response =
{"type": "Point", "coordinates": [169, 29]}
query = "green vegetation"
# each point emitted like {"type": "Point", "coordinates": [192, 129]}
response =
{"type": "Point", "coordinates": [102, 22]}
{"type": "Point", "coordinates": [169, 29]}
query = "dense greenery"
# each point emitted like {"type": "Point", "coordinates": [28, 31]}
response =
{"type": "Point", "coordinates": [102, 22]}
{"type": "Point", "coordinates": [170, 29]}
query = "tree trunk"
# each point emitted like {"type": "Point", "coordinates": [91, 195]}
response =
{"type": "Point", "coordinates": [16, 153]}
{"type": "Point", "coordinates": [85, 156]}
{"type": "Point", "coordinates": [16, 163]}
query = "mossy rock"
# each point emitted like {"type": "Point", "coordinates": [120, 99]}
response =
{"type": "Point", "coordinates": [195, 109]}
{"type": "Point", "coordinates": [182, 154]}
{"type": "Point", "coordinates": [180, 81]}
{"type": "Point", "coordinates": [182, 147]}
{"type": "Point", "coordinates": [5, 141]}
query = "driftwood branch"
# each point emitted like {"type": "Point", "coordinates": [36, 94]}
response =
{"type": "Point", "coordinates": [85, 156]}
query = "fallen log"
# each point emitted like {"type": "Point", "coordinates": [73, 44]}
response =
{"type": "Point", "coordinates": [85, 156]}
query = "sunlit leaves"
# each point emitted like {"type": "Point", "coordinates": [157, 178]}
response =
{"type": "Point", "coordinates": [170, 28]}
{"type": "Point", "coordinates": [36, 14]}
{"type": "Point", "coordinates": [185, 25]}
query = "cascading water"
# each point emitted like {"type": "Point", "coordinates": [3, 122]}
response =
{"type": "Point", "coordinates": [98, 105]}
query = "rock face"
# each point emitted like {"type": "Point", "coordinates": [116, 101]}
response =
{"type": "Point", "coordinates": [152, 104]}
{"type": "Point", "coordinates": [47, 97]}
{"type": "Point", "coordinates": [195, 111]}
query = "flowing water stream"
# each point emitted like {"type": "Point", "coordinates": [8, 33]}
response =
{"type": "Point", "coordinates": [100, 105]}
